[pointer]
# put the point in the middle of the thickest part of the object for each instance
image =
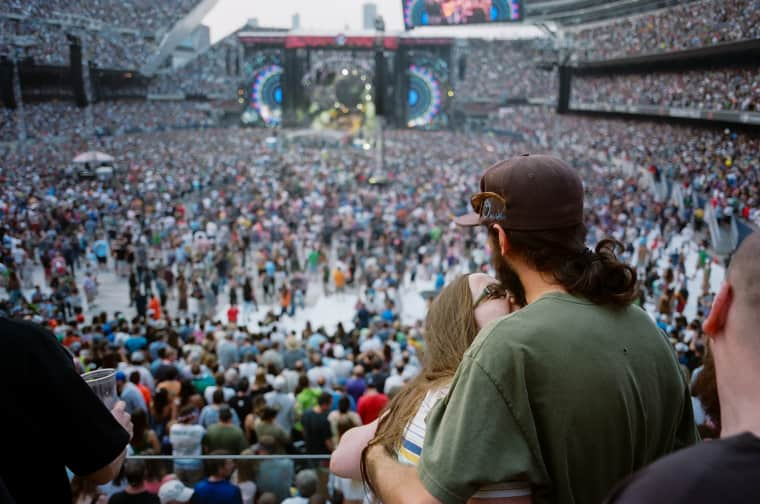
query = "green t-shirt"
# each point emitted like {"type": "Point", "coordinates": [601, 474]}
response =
{"type": "Point", "coordinates": [202, 383]}
{"type": "Point", "coordinates": [272, 429]}
{"type": "Point", "coordinates": [565, 394]}
{"type": "Point", "coordinates": [313, 258]}
{"type": "Point", "coordinates": [225, 437]}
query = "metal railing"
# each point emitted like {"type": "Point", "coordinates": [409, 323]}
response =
{"type": "Point", "coordinates": [228, 457]}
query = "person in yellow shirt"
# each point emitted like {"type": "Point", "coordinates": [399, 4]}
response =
{"type": "Point", "coordinates": [340, 279]}
{"type": "Point", "coordinates": [286, 300]}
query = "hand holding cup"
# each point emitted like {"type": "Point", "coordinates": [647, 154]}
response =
{"type": "Point", "coordinates": [124, 418]}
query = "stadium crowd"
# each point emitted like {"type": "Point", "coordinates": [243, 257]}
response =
{"type": "Point", "coordinates": [194, 268]}
{"type": "Point", "coordinates": [735, 89]}
{"type": "Point", "coordinates": [143, 15]}
{"type": "Point", "coordinates": [61, 120]}
{"type": "Point", "coordinates": [218, 237]}
{"type": "Point", "coordinates": [7, 125]}
{"type": "Point", "coordinates": [130, 116]}
{"type": "Point", "coordinates": [107, 47]}
{"type": "Point", "coordinates": [211, 73]}
{"type": "Point", "coordinates": [689, 25]}
{"type": "Point", "coordinates": [115, 37]}
{"type": "Point", "coordinates": [504, 69]}
{"type": "Point", "coordinates": [715, 165]}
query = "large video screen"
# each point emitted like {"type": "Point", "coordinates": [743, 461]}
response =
{"type": "Point", "coordinates": [263, 93]}
{"type": "Point", "coordinates": [459, 12]}
{"type": "Point", "coordinates": [429, 90]}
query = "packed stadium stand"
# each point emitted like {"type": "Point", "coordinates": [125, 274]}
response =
{"type": "Point", "coordinates": [117, 37]}
{"type": "Point", "coordinates": [689, 26]}
{"type": "Point", "coordinates": [731, 88]}
{"type": "Point", "coordinates": [217, 265]}
{"type": "Point", "coordinates": [499, 70]}
{"type": "Point", "coordinates": [211, 73]}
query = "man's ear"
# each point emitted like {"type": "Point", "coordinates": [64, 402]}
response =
{"type": "Point", "coordinates": [715, 322]}
{"type": "Point", "coordinates": [504, 245]}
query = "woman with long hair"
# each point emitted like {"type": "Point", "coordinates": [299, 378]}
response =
{"type": "Point", "coordinates": [163, 411]}
{"type": "Point", "coordinates": [143, 437]}
{"type": "Point", "coordinates": [189, 395]}
{"type": "Point", "coordinates": [454, 318]}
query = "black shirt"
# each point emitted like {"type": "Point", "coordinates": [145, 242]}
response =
{"type": "Point", "coordinates": [139, 498]}
{"type": "Point", "coordinates": [50, 418]}
{"type": "Point", "coordinates": [241, 404]}
{"type": "Point", "coordinates": [316, 432]}
{"type": "Point", "coordinates": [722, 471]}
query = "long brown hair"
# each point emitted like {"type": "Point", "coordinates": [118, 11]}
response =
{"type": "Point", "coordinates": [706, 390]}
{"type": "Point", "coordinates": [139, 428]}
{"type": "Point", "coordinates": [450, 328]}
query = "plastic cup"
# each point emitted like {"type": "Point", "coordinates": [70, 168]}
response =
{"type": "Point", "coordinates": [103, 383]}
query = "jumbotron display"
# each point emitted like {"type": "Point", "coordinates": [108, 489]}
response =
{"type": "Point", "coordinates": [459, 12]}
{"type": "Point", "coordinates": [429, 91]}
{"type": "Point", "coordinates": [264, 100]}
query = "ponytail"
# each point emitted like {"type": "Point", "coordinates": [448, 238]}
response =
{"type": "Point", "coordinates": [600, 276]}
{"type": "Point", "coordinates": [597, 275]}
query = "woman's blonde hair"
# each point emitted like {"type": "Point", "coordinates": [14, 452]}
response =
{"type": "Point", "coordinates": [450, 328]}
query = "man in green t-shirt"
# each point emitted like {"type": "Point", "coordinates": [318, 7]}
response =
{"type": "Point", "coordinates": [224, 435]}
{"type": "Point", "coordinates": [573, 392]}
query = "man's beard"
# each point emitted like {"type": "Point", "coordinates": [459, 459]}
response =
{"type": "Point", "coordinates": [506, 275]}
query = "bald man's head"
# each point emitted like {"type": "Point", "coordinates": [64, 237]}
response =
{"type": "Point", "coordinates": [744, 275]}
{"type": "Point", "coordinates": [736, 309]}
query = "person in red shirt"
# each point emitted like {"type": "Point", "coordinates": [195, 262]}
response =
{"type": "Point", "coordinates": [134, 377]}
{"type": "Point", "coordinates": [71, 338]}
{"type": "Point", "coordinates": [371, 403]}
{"type": "Point", "coordinates": [155, 305]}
{"type": "Point", "coordinates": [232, 315]}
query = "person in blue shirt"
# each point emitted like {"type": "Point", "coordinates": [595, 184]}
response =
{"type": "Point", "coordinates": [270, 268]}
{"type": "Point", "coordinates": [440, 281]}
{"type": "Point", "coordinates": [154, 347]}
{"type": "Point", "coordinates": [135, 342]}
{"type": "Point", "coordinates": [100, 247]}
{"type": "Point", "coordinates": [216, 489]}
{"type": "Point", "coordinates": [130, 394]}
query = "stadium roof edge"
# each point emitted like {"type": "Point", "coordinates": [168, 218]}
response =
{"type": "Point", "coordinates": [501, 31]}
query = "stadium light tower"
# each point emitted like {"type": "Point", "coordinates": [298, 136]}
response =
{"type": "Point", "coordinates": [380, 93]}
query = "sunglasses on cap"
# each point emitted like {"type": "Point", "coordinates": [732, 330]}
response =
{"type": "Point", "coordinates": [491, 206]}
{"type": "Point", "coordinates": [491, 291]}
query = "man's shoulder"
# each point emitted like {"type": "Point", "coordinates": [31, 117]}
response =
{"type": "Point", "coordinates": [531, 327]}
{"type": "Point", "coordinates": [690, 471]}
{"type": "Point", "coordinates": [20, 340]}
{"type": "Point", "coordinates": [23, 332]}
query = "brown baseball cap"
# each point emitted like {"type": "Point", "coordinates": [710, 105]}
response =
{"type": "Point", "coordinates": [527, 193]}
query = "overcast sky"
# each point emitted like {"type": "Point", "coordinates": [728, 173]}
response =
{"type": "Point", "coordinates": [332, 15]}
